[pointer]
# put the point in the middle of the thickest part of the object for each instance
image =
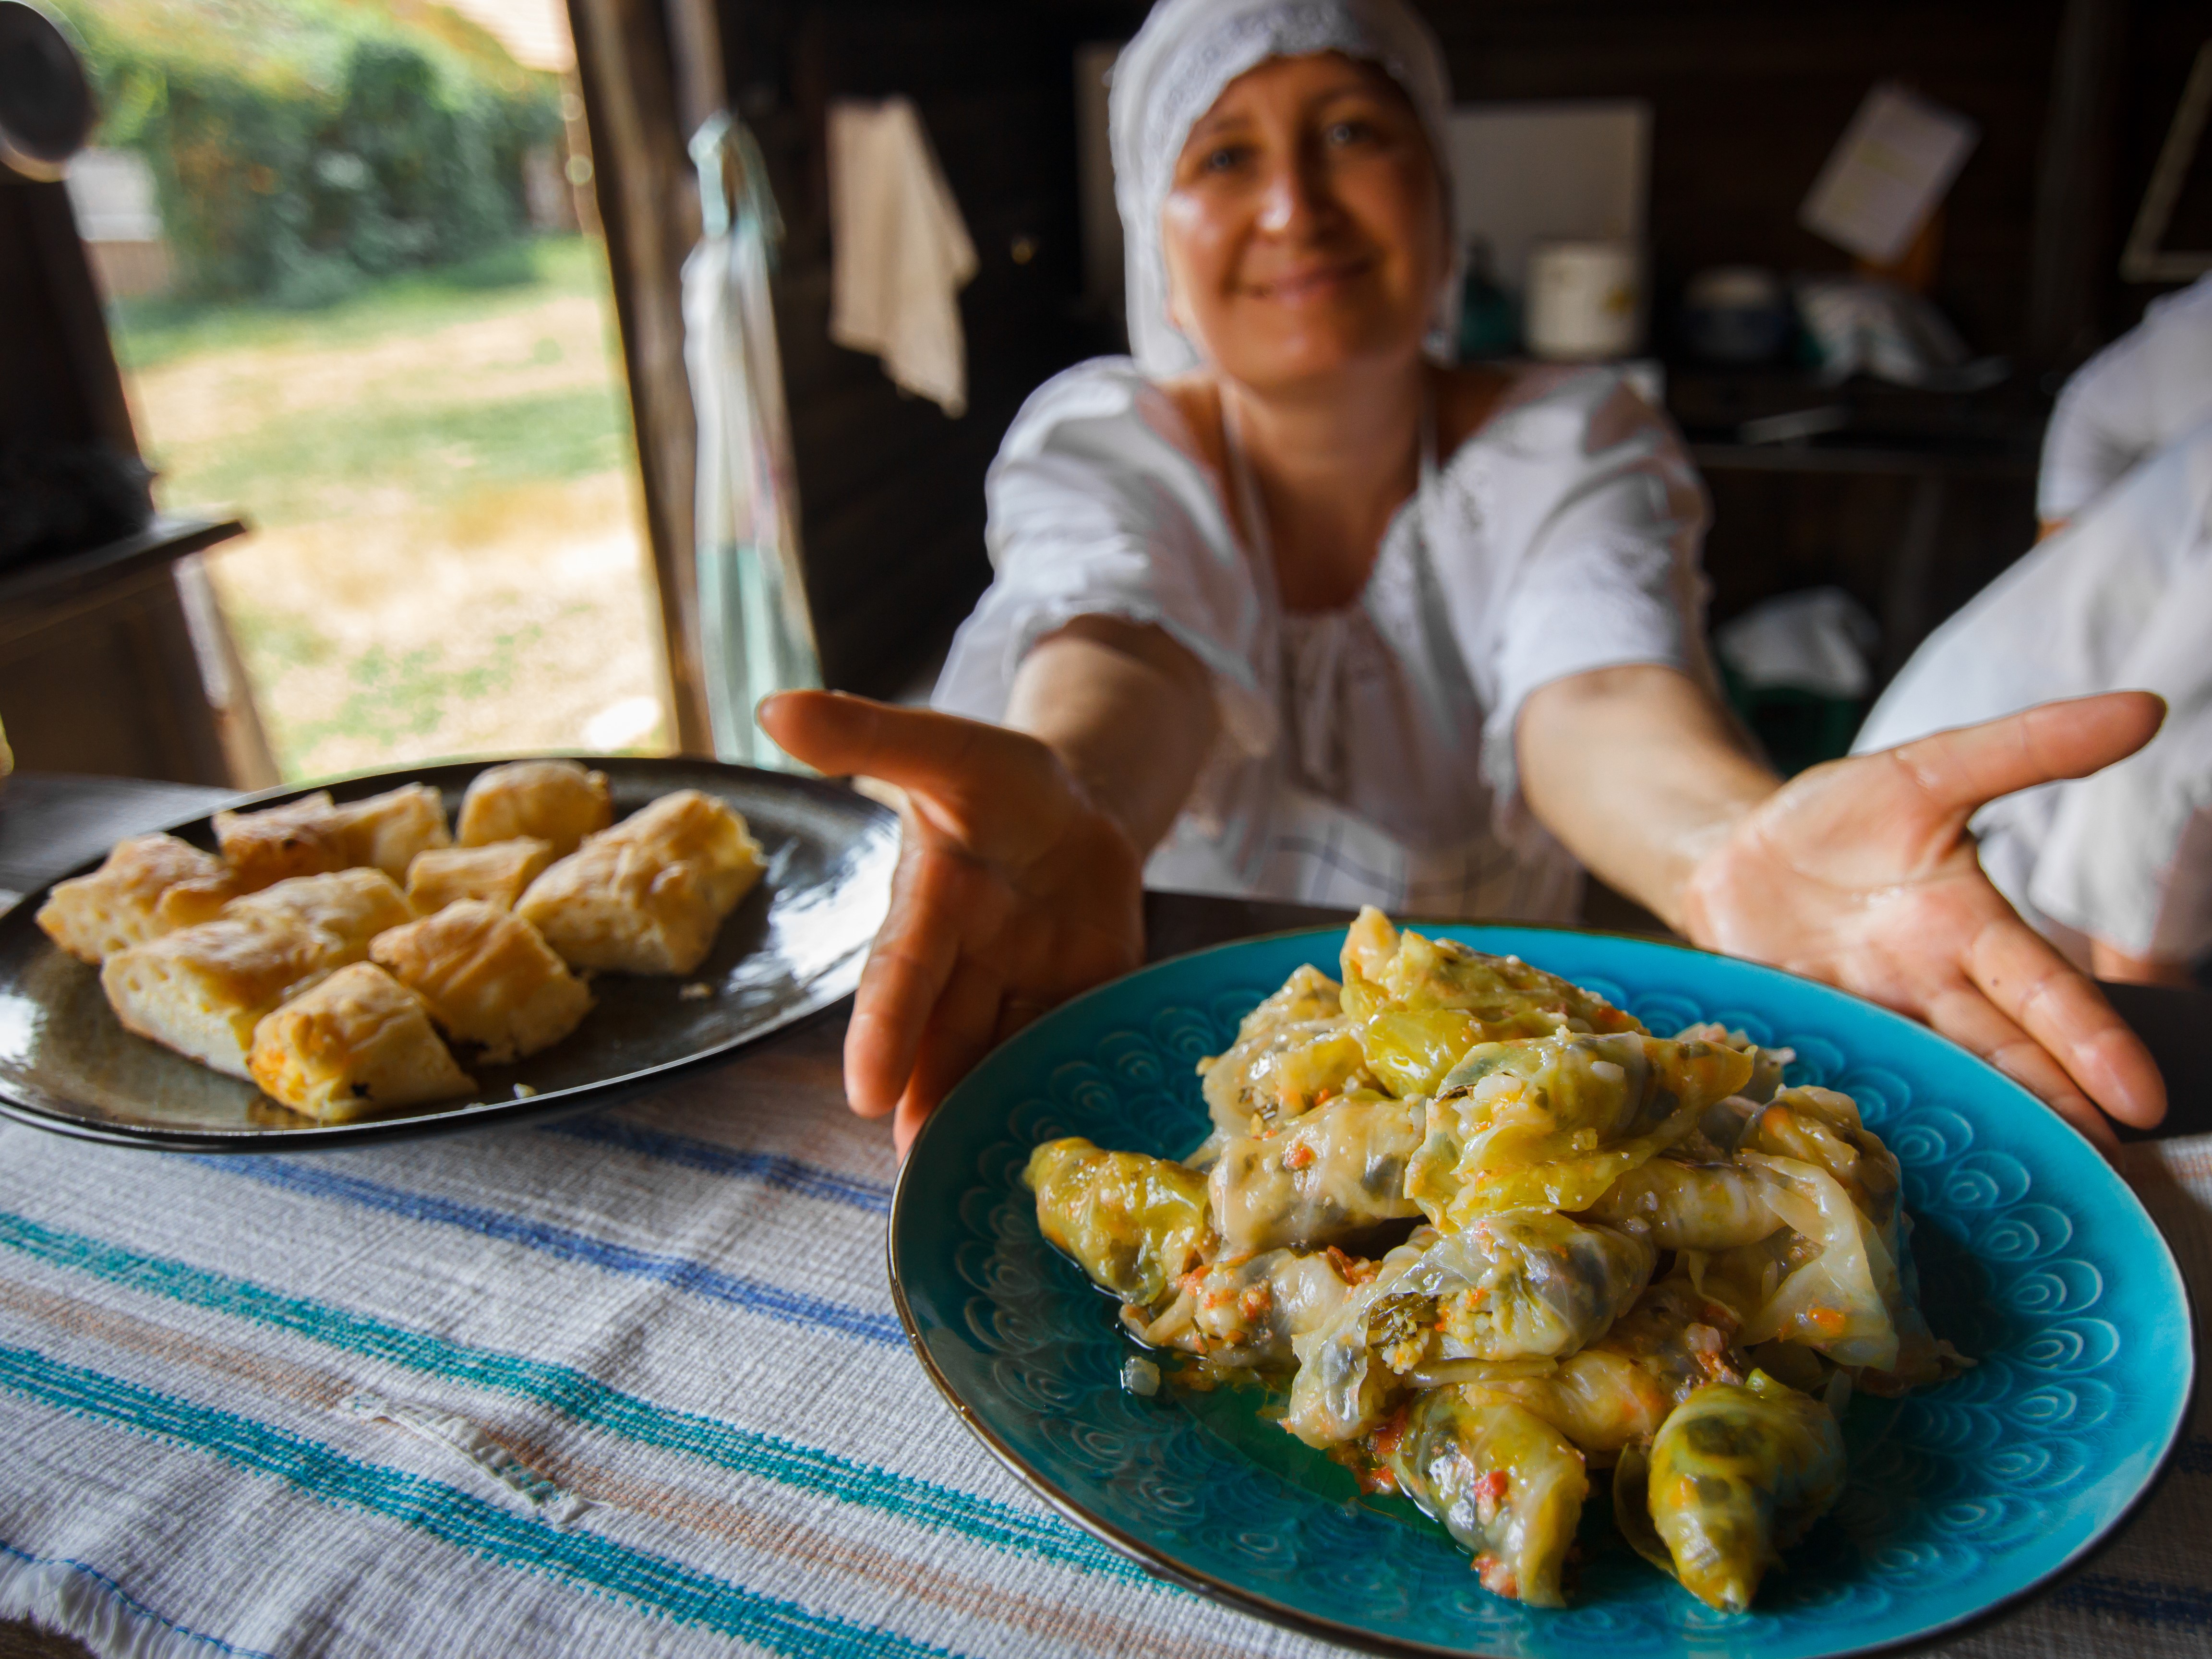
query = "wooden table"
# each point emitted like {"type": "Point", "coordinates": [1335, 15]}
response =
{"type": "Point", "coordinates": [49, 823]}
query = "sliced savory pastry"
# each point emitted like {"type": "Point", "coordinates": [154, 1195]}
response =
{"type": "Point", "coordinates": [358, 1043]}
{"type": "Point", "coordinates": [647, 896]}
{"type": "Point", "coordinates": [498, 873]}
{"type": "Point", "coordinates": [201, 990]}
{"type": "Point", "coordinates": [487, 978]}
{"type": "Point", "coordinates": [119, 904]}
{"type": "Point", "coordinates": [300, 838]}
{"type": "Point", "coordinates": [349, 906]}
{"type": "Point", "coordinates": [388, 830]}
{"type": "Point", "coordinates": [314, 835]}
{"type": "Point", "coordinates": [553, 800]}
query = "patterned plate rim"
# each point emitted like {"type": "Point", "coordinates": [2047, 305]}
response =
{"type": "Point", "coordinates": [829, 985]}
{"type": "Point", "coordinates": [1160, 1565]}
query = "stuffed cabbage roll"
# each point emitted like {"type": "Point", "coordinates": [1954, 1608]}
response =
{"type": "Point", "coordinates": [1690, 1206]}
{"type": "Point", "coordinates": [1601, 1400]}
{"type": "Point", "coordinates": [1334, 1172]}
{"type": "Point", "coordinates": [1766, 1064]}
{"type": "Point", "coordinates": [1503, 1483]}
{"type": "Point", "coordinates": [1420, 1004]}
{"type": "Point", "coordinates": [1526, 1284]}
{"type": "Point", "coordinates": [1828, 1281]}
{"type": "Point", "coordinates": [1678, 1336]}
{"type": "Point", "coordinates": [1620, 1388]}
{"type": "Point", "coordinates": [1248, 1311]}
{"type": "Point", "coordinates": [1736, 1475]}
{"type": "Point", "coordinates": [1307, 994]}
{"type": "Point", "coordinates": [1343, 1389]}
{"type": "Point", "coordinates": [1822, 1128]}
{"type": "Point", "coordinates": [1135, 1224]}
{"type": "Point", "coordinates": [1551, 1123]}
{"type": "Point", "coordinates": [1282, 1072]}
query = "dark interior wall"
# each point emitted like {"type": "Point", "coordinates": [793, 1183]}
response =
{"type": "Point", "coordinates": [1749, 96]}
{"type": "Point", "coordinates": [890, 488]}
{"type": "Point", "coordinates": [2158, 43]}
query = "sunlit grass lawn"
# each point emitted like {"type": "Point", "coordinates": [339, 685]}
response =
{"type": "Point", "coordinates": [439, 467]}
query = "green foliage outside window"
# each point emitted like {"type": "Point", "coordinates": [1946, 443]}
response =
{"type": "Point", "coordinates": [300, 146]}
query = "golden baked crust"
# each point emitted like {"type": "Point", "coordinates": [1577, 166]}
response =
{"type": "Point", "coordinates": [497, 874]}
{"type": "Point", "coordinates": [388, 830]}
{"type": "Point", "coordinates": [300, 838]}
{"type": "Point", "coordinates": [647, 896]}
{"type": "Point", "coordinates": [119, 904]}
{"type": "Point", "coordinates": [487, 978]}
{"type": "Point", "coordinates": [553, 800]}
{"type": "Point", "coordinates": [314, 836]}
{"type": "Point", "coordinates": [349, 906]}
{"type": "Point", "coordinates": [202, 990]}
{"type": "Point", "coordinates": [358, 1043]}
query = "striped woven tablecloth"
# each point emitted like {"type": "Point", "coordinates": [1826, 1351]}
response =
{"type": "Point", "coordinates": [630, 1385]}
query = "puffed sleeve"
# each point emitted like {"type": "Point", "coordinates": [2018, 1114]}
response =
{"type": "Point", "coordinates": [2132, 398]}
{"type": "Point", "coordinates": [1097, 507]}
{"type": "Point", "coordinates": [1592, 517]}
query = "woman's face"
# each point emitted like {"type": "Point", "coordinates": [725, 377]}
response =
{"type": "Point", "coordinates": [1305, 230]}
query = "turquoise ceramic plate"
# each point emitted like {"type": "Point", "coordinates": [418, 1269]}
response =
{"type": "Point", "coordinates": [2033, 1257]}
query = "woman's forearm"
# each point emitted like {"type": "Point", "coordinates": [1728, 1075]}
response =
{"type": "Point", "coordinates": [1640, 773]}
{"type": "Point", "coordinates": [1129, 711]}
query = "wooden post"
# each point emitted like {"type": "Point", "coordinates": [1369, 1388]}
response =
{"type": "Point", "coordinates": [2073, 175]}
{"type": "Point", "coordinates": [649, 209]}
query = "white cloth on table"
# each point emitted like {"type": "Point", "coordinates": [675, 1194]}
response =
{"type": "Point", "coordinates": [1367, 753]}
{"type": "Point", "coordinates": [628, 1385]}
{"type": "Point", "coordinates": [899, 250]}
{"type": "Point", "coordinates": [1175, 68]}
{"type": "Point", "coordinates": [2129, 401]}
{"type": "Point", "coordinates": [2121, 599]}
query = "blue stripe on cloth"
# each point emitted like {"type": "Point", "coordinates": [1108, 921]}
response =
{"type": "Point", "coordinates": [581, 1398]}
{"type": "Point", "coordinates": [2138, 1599]}
{"type": "Point", "coordinates": [85, 1571]}
{"type": "Point", "coordinates": [788, 1174]}
{"type": "Point", "coordinates": [655, 1585]}
{"type": "Point", "coordinates": [679, 1273]}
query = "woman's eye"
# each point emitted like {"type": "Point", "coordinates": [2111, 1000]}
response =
{"type": "Point", "coordinates": [1225, 159]}
{"type": "Point", "coordinates": [1347, 132]}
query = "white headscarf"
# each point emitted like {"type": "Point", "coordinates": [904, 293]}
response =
{"type": "Point", "coordinates": [1170, 75]}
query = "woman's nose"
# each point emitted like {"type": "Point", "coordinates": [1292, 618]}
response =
{"type": "Point", "coordinates": [1292, 200]}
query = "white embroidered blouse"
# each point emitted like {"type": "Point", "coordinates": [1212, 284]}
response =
{"type": "Point", "coordinates": [1367, 754]}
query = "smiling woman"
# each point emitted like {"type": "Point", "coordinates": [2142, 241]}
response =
{"type": "Point", "coordinates": [1283, 607]}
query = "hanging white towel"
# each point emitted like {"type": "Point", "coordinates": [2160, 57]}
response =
{"type": "Point", "coordinates": [899, 250]}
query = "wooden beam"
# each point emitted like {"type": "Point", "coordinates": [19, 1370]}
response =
{"type": "Point", "coordinates": [2069, 251]}
{"type": "Point", "coordinates": [649, 209]}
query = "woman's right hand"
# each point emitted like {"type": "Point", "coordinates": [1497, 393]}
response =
{"type": "Point", "coordinates": [1014, 891]}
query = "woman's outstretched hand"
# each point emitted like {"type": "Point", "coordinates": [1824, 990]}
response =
{"type": "Point", "coordinates": [1014, 891]}
{"type": "Point", "coordinates": [1861, 872]}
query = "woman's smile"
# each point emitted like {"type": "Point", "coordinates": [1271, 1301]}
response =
{"type": "Point", "coordinates": [1321, 281]}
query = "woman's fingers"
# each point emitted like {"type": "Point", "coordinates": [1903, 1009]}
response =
{"type": "Point", "coordinates": [2035, 988]}
{"type": "Point", "coordinates": [962, 1029]}
{"type": "Point", "coordinates": [1961, 770]}
{"type": "Point", "coordinates": [974, 782]}
{"type": "Point", "coordinates": [1962, 1013]}
{"type": "Point", "coordinates": [908, 966]}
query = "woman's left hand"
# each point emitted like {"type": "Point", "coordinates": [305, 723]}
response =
{"type": "Point", "coordinates": [1862, 872]}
